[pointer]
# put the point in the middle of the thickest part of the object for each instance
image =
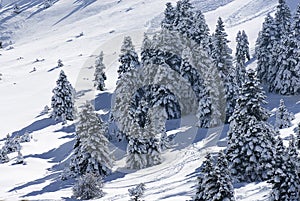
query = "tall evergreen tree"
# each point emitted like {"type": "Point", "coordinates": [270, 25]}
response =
{"type": "Point", "coordinates": [241, 54]}
{"type": "Point", "coordinates": [297, 133]}
{"type": "Point", "coordinates": [296, 24]}
{"type": "Point", "coordinates": [264, 48]}
{"type": "Point", "coordinates": [169, 17]}
{"type": "Point", "coordinates": [184, 17]}
{"type": "Point", "coordinates": [223, 61]}
{"type": "Point", "coordinates": [128, 57]}
{"type": "Point", "coordinates": [91, 152]}
{"type": "Point", "coordinates": [146, 50]}
{"type": "Point", "coordinates": [99, 74]}
{"type": "Point", "coordinates": [282, 29]}
{"type": "Point", "coordinates": [285, 180]}
{"type": "Point", "coordinates": [250, 138]}
{"type": "Point", "coordinates": [62, 101]}
{"type": "Point", "coordinates": [283, 116]}
{"type": "Point", "coordinates": [200, 31]}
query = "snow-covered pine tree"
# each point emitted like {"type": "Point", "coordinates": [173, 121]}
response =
{"type": "Point", "coordinates": [3, 156]}
{"type": "Point", "coordinates": [20, 158]}
{"type": "Point", "coordinates": [169, 17]}
{"type": "Point", "coordinates": [91, 152]}
{"type": "Point", "coordinates": [282, 23]}
{"type": "Point", "coordinates": [200, 31]}
{"type": "Point", "coordinates": [128, 57]}
{"type": "Point", "coordinates": [285, 180]}
{"type": "Point", "coordinates": [223, 61]}
{"type": "Point", "coordinates": [296, 24]}
{"type": "Point", "coordinates": [62, 101]}
{"type": "Point", "coordinates": [47, 3]}
{"type": "Point", "coordinates": [59, 63]}
{"type": "Point", "coordinates": [220, 186]}
{"type": "Point", "coordinates": [99, 74]}
{"type": "Point", "coordinates": [287, 79]}
{"type": "Point", "coordinates": [137, 192]}
{"type": "Point", "coordinates": [211, 107]}
{"type": "Point", "coordinates": [297, 133]}
{"type": "Point", "coordinates": [250, 138]}
{"type": "Point", "coordinates": [264, 48]}
{"type": "Point", "coordinates": [11, 144]}
{"type": "Point", "coordinates": [146, 50]}
{"type": "Point", "coordinates": [283, 116]}
{"type": "Point", "coordinates": [206, 169]}
{"type": "Point", "coordinates": [241, 54]}
{"type": "Point", "coordinates": [184, 17]}
{"type": "Point", "coordinates": [89, 186]}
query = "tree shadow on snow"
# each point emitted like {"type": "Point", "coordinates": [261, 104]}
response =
{"type": "Point", "coordinates": [82, 4]}
{"type": "Point", "coordinates": [36, 126]}
{"type": "Point", "coordinates": [53, 156]}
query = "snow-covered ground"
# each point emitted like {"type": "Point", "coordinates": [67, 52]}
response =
{"type": "Point", "coordinates": [54, 33]}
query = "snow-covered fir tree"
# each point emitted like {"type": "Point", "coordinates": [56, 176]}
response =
{"type": "Point", "coordinates": [223, 61]}
{"type": "Point", "coordinates": [128, 57]}
{"type": "Point", "coordinates": [211, 107]}
{"type": "Point", "coordinates": [11, 144]}
{"type": "Point", "coordinates": [285, 179]}
{"type": "Point", "coordinates": [200, 31]}
{"type": "Point", "coordinates": [59, 63]}
{"type": "Point", "coordinates": [146, 50]}
{"type": "Point", "coordinates": [47, 3]}
{"type": "Point", "coordinates": [20, 158]}
{"type": "Point", "coordinates": [62, 101]}
{"type": "Point", "coordinates": [286, 81]}
{"type": "Point", "coordinates": [169, 17]}
{"type": "Point", "coordinates": [89, 186]}
{"type": "Point", "coordinates": [218, 184]}
{"type": "Point", "coordinates": [297, 134]}
{"type": "Point", "coordinates": [282, 29]}
{"type": "Point", "coordinates": [3, 156]}
{"type": "Point", "coordinates": [264, 48]}
{"type": "Point", "coordinates": [91, 152]}
{"type": "Point", "coordinates": [241, 54]}
{"type": "Point", "coordinates": [296, 24]}
{"type": "Point", "coordinates": [184, 17]}
{"type": "Point", "coordinates": [283, 116]}
{"type": "Point", "coordinates": [99, 74]}
{"type": "Point", "coordinates": [206, 169]}
{"type": "Point", "coordinates": [136, 193]}
{"type": "Point", "coordinates": [250, 138]}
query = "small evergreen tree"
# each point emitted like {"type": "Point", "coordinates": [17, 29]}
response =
{"type": "Point", "coordinates": [3, 156]}
{"type": "Point", "coordinates": [146, 50]}
{"type": "Point", "coordinates": [62, 101]}
{"type": "Point", "coordinates": [59, 63]}
{"type": "Point", "coordinates": [128, 57]}
{"type": "Point", "coordinates": [137, 192]}
{"type": "Point", "coordinates": [89, 186]}
{"type": "Point", "coordinates": [20, 159]}
{"type": "Point", "coordinates": [283, 116]}
{"type": "Point", "coordinates": [47, 3]}
{"type": "Point", "coordinates": [99, 74]}
{"type": "Point", "coordinates": [220, 186]}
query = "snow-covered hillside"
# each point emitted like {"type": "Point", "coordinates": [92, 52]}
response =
{"type": "Point", "coordinates": [76, 32]}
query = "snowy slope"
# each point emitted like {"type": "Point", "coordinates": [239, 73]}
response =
{"type": "Point", "coordinates": [54, 34]}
